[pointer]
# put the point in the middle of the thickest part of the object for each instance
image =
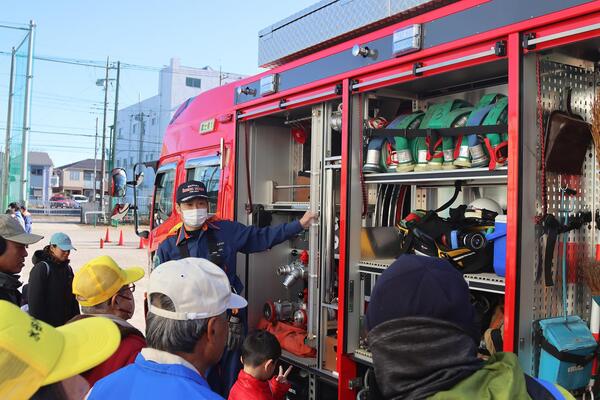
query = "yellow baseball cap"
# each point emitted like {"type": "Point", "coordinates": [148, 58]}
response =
{"type": "Point", "coordinates": [34, 354]}
{"type": "Point", "coordinates": [100, 279]}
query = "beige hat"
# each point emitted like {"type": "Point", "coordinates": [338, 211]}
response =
{"type": "Point", "coordinates": [198, 288]}
{"type": "Point", "coordinates": [11, 230]}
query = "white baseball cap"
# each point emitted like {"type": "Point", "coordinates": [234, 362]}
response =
{"type": "Point", "coordinates": [198, 288]}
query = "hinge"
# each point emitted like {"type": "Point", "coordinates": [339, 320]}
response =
{"type": "Point", "coordinates": [339, 88]}
{"type": "Point", "coordinates": [355, 383]}
{"type": "Point", "coordinates": [500, 48]}
{"type": "Point", "coordinates": [526, 38]}
{"type": "Point", "coordinates": [415, 67]}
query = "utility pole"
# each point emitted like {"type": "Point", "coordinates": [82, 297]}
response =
{"type": "Point", "coordinates": [113, 140]}
{"type": "Point", "coordinates": [115, 122]}
{"type": "Point", "coordinates": [95, 163]}
{"type": "Point", "coordinates": [103, 165]}
{"type": "Point", "coordinates": [222, 76]}
{"type": "Point", "coordinates": [140, 118]}
{"type": "Point", "coordinates": [6, 165]}
{"type": "Point", "coordinates": [26, 112]}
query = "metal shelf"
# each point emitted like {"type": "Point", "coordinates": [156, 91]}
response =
{"type": "Point", "coordinates": [287, 206]}
{"type": "Point", "coordinates": [484, 282]}
{"type": "Point", "coordinates": [309, 364]}
{"type": "Point", "coordinates": [469, 176]}
{"type": "Point", "coordinates": [363, 356]}
{"type": "Point", "coordinates": [298, 361]}
{"type": "Point", "coordinates": [375, 267]}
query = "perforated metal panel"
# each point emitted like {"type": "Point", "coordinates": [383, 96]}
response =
{"type": "Point", "coordinates": [534, 301]}
{"type": "Point", "coordinates": [555, 79]}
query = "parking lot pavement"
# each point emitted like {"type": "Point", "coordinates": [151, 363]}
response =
{"type": "Point", "coordinates": [86, 239]}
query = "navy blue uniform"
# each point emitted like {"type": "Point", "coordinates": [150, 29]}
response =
{"type": "Point", "coordinates": [233, 237]}
{"type": "Point", "coordinates": [230, 237]}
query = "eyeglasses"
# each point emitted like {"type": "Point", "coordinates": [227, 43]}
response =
{"type": "Point", "coordinates": [124, 289]}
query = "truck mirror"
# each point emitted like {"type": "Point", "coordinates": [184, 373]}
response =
{"type": "Point", "coordinates": [119, 182]}
{"type": "Point", "coordinates": [139, 178]}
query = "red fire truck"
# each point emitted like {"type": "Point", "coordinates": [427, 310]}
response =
{"type": "Point", "coordinates": [368, 122]}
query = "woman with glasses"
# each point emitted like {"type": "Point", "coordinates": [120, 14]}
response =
{"type": "Point", "coordinates": [104, 289]}
{"type": "Point", "coordinates": [49, 293]}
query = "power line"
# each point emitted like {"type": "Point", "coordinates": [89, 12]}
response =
{"type": "Point", "coordinates": [101, 65]}
{"type": "Point", "coordinates": [52, 146]}
{"type": "Point", "coordinates": [57, 126]}
{"type": "Point", "coordinates": [73, 99]}
{"type": "Point", "coordinates": [82, 135]}
{"type": "Point", "coordinates": [11, 25]}
{"type": "Point", "coordinates": [86, 135]}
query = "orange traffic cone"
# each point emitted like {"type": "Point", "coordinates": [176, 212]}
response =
{"type": "Point", "coordinates": [107, 237]}
{"type": "Point", "coordinates": [101, 243]}
{"type": "Point", "coordinates": [141, 246]}
{"type": "Point", "coordinates": [120, 238]}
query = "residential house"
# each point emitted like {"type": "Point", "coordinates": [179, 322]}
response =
{"type": "Point", "coordinates": [78, 178]}
{"type": "Point", "coordinates": [40, 176]}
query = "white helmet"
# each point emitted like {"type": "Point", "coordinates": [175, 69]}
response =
{"type": "Point", "coordinates": [486, 204]}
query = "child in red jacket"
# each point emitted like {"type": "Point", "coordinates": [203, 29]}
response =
{"type": "Point", "coordinates": [257, 381]}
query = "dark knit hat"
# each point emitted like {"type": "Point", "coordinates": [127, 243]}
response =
{"type": "Point", "coordinates": [418, 286]}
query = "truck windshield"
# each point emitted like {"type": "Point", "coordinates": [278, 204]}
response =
{"type": "Point", "coordinates": [209, 175]}
{"type": "Point", "coordinates": [163, 197]}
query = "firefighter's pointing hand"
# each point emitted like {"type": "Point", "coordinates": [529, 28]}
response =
{"type": "Point", "coordinates": [307, 219]}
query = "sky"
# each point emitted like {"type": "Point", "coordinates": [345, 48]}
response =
{"type": "Point", "coordinates": [65, 98]}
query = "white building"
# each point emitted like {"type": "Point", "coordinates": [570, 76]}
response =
{"type": "Point", "coordinates": [141, 127]}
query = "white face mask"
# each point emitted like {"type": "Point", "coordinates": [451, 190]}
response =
{"type": "Point", "coordinates": [194, 218]}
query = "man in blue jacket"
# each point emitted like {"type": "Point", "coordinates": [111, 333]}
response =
{"type": "Point", "coordinates": [219, 241]}
{"type": "Point", "coordinates": [186, 331]}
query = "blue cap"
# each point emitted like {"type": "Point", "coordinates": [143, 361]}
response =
{"type": "Point", "coordinates": [418, 286]}
{"type": "Point", "coordinates": [62, 241]}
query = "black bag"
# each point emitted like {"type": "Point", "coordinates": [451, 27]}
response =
{"type": "Point", "coordinates": [431, 236]}
{"type": "Point", "coordinates": [567, 139]}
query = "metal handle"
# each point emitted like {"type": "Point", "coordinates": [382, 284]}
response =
{"type": "Point", "coordinates": [328, 224]}
{"type": "Point", "coordinates": [221, 151]}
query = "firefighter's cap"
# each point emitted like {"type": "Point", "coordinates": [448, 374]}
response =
{"type": "Point", "coordinates": [100, 279]}
{"type": "Point", "coordinates": [191, 190]}
{"type": "Point", "coordinates": [33, 353]}
{"type": "Point", "coordinates": [198, 289]}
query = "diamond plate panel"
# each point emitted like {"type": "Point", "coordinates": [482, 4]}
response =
{"type": "Point", "coordinates": [329, 22]}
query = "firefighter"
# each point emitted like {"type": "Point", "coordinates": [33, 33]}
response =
{"type": "Point", "coordinates": [219, 241]}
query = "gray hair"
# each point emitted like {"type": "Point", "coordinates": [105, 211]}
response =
{"type": "Point", "coordinates": [172, 335]}
{"type": "Point", "coordinates": [102, 308]}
